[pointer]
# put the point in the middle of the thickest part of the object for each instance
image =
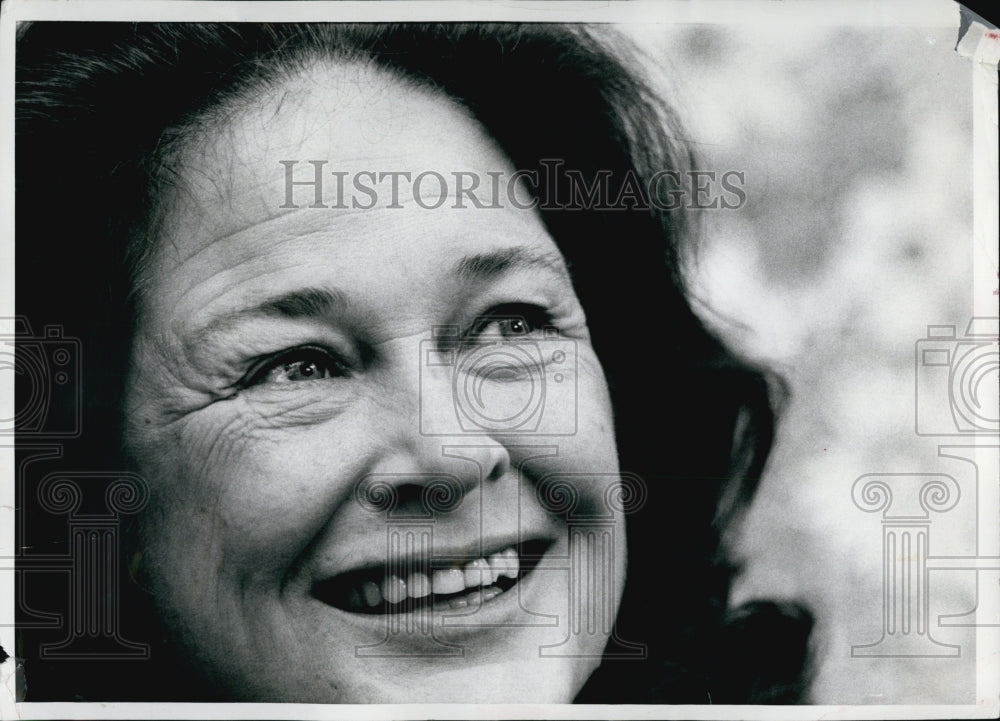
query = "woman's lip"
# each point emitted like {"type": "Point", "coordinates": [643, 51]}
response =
{"type": "Point", "coordinates": [448, 580]}
{"type": "Point", "coordinates": [434, 632]}
{"type": "Point", "coordinates": [443, 556]}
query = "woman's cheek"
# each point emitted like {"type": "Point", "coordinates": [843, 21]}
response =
{"type": "Point", "coordinates": [596, 422]}
{"type": "Point", "coordinates": [586, 465]}
{"type": "Point", "coordinates": [249, 489]}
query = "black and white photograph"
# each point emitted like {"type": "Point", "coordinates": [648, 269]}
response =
{"type": "Point", "coordinates": [486, 360]}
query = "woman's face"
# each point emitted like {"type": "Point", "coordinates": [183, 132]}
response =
{"type": "Point", "coordinates": [287, 379]}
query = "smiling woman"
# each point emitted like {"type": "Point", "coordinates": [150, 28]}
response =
{"type": "Point", "coordinates": [399, 452]}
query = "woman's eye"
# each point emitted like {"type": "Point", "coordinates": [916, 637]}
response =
{"type": "Point", "coordinates": [510, 322]}
{"type": "Point", "coordinates": [298, 364]}
{"type": "Point", "coordinates": [512, 327]}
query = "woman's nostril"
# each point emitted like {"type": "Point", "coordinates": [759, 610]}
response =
{"type": "Point", "coordinates": [411, 500]}
{"type": "Point", "coordinates": [434, 496]}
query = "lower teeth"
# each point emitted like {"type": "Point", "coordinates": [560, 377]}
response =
{"type": "Point", "coordinates": [473, 599]}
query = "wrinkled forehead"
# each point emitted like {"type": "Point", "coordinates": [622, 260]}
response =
{"type": "Point", "coordinates": [350, 119]}
{"type": "Point", "coordinates": [229, 227]}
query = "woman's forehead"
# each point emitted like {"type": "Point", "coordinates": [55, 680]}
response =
{"type": "Point", "coordinates": [272, 196]}
{"type": "Point", "coordinates": [320, 129]}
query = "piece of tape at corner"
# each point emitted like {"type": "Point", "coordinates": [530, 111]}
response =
{"type": "Point", "coordinates": [981, 44]}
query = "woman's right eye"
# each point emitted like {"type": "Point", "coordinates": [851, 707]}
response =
{"type": "Point", "coordinates": [510, 321]}
{"type": "Point", "coordinates": [308, 363]}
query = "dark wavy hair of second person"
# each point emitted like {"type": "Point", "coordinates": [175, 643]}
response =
{"type": "Point", "coordinates": [143, 146]}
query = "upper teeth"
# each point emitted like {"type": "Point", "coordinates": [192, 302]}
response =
{"type": "Point", "coordinates": [480, 572]}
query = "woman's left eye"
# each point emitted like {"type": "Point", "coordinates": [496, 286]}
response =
{"type": "Point", "coordinates": [511, 322]}
{"type": "Point", "coordinates": [298, 364]}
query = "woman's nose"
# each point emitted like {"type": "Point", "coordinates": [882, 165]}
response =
{"type": "Point", "coordinates": [427, 454]}
{"type": "Point", "coordinates": [420, 476]}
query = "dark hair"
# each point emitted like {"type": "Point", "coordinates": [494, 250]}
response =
{"type": "Point", "coordinates": [101, 107]}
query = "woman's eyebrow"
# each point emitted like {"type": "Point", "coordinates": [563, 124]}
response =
{"type": "Point", "coordinates": [486, 266]}
{"type": "Point", "coordinates": [299, 303]}
{"type": "Point", "coordinates": [320, 302]}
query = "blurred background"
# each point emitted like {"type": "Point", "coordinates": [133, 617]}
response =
{"type": "Point", "coordinates": [855, 237]}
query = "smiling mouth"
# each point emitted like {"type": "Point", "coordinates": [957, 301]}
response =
{"type": "Point", "coordinates": [442, 584]}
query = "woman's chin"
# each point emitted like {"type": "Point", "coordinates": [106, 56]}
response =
{"type": "Point", "coordinates": [507, 683]}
